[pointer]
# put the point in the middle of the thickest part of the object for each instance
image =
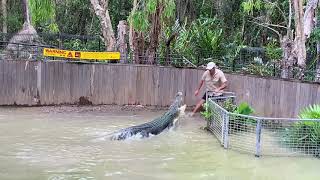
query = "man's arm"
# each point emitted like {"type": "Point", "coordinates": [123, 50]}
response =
{"type": "Point", "coordinates": [223, 86]}
{"type": "Point", "coordinates": [200, 85]}
{"type": "Point", "coordinates": [223, 81]}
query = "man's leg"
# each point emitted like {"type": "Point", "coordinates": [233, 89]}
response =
{"type": "Point", "coordinates": [198, 106]}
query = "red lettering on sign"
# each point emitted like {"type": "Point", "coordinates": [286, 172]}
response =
{"type": "Point", "coordinates": [77, 54]}
{"type": "Point", "coordinates": [70, 55]}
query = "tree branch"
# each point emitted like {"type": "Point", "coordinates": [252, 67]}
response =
{"type": "Point", "coordinates": [263, 25]}
{"type": "Point", "coordinates": [290, 19]}
{"type": "Point", "coordinates": [275, 4]}
{"type": "Point", "coordinates": [275, 25]}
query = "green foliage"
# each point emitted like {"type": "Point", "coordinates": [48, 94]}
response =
{"type": "Point", "coordinates": [315, 35]}
{"type": "Point", "coordinates": [169, 10]}
{"type": "Point", "coordinates": [208, 29]}
{"type": "Point", "coordinates": [140, 21]}
{"type": "Point", "coordinates": [234, 123]}
{"type": "Point", "coordinates": [229, 106]}
{"type": "Point", "coordinates": [43, 15]}
{"type": "Point", "coordinates": [311, 112]}
{"type": "Point", "coordinates": [232, 51]}
{"type": "Point", "coordinates": [151, 6]}
{"type": "Point", "coordinates": [237, 123]}
{"type": "Point", "coordinates": [140, 18]}
{"type": "Point", "coordinates": [77, 17]}
{"type": "Point", "coordinates": [305, 134]}
{"type": "Point", "coordinates": [249, 6]}
{"type": "Point", "coordinates": [244, 109]}
{"type": "Point", "coordinates": [273, 51]}
{"type": "Point", "coordinates": [260, 69]}
{"type": "Point", "coordinates": [78, 45]}
{"type": "Point", "coordinates": [207, 114]}
{"type": "Point", "coordinates": [202, 39]}
{"type": "Point", "coordinates": [15, 16]}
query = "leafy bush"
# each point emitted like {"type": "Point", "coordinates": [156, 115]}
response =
{"type": "Point", "coordinates": [273, 51]}
{"type": "Point", "coordinates": [203, 39]}
{"type": "Point", "coordinates": [236, 122]}
{"type": "Point", "coordinates": [244, 109]}
{"type": "Point", "coordinates": [305, 135]}
{"type": "Point", "coordinates": [229, 105]}
{"type": "Point", "coordinates": [207, 114]}
{"type": "Point", "coordinates": [266, 69]}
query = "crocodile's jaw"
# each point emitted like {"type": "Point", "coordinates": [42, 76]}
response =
{"type": "Point", "coordinates": [182, 110]}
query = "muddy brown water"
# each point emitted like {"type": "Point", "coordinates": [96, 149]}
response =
{"type": "Point", "coordinates": [58, 143]}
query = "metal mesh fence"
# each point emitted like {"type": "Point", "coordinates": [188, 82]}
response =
{"type": "Point", "coordinates": [242, 131]}
{"type": "Point", "coordinates": [30, 46]}
{"type": "Point", "coordinates": [218, 115]}
{"type": "Point", "coordinates": [19, 51]}
{"type": "Point", "coordinates": [291, 137]}
{"type": "Point", "coordinates": [249, 60]}
{"type": "Point", "coordinates": [216, 122]}
{"type": "Point", "coordinates": [262, 135]}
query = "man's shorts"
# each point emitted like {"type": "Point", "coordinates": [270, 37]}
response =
{"type": "Point", "coordinates": [211, 95]}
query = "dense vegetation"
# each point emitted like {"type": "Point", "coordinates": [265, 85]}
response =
{"type": "Point", "coordinates": [227, 31]}
{"type": "Point", "coordinates": [236, 121]}
{"type": "Point", "coordinates": [305, 134]}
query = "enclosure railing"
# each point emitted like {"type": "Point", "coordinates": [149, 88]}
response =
{"type": "Point", "coordinates": [262, 135]}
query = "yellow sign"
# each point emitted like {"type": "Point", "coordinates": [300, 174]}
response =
{"type": "Point", "coordinates": [81, 54]}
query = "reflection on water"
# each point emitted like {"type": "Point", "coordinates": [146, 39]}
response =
{"type": "Point", "coordinates": [38, 145]}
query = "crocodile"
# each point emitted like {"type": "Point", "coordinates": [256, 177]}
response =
{"type": "Point", "coordinates": [156, 126]}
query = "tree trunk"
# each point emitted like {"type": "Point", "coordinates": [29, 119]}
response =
{"type": "Point", "coordinates": [136, 41]}
{"type": "Point", "coordinates": [138, 44]}
{"type": "Point", "coordinates": [288, 57]}
{"type": "Point", "coordinates": [101, 9]}
{"type": "Point", "coordinates": [300, 39]}
{"type": "Point", "coordinates": [4, 18]}
{"type": "Point", "coordinates": [185, 9]}
{"type": "Point", "coordinates": [16, 51]}
{"type": "Point", "coordinates": [154, 34]}
{"type": "Point", "coordinates": [309, 17]}
{"type": "Point", "coordinates": [168, 50]}
{"type": "Point", "coordinates": [122, 40]}
{"type": "Point", "coordinates": [26, 12]}
{"type": "Point", "coordinates": [317, 76]}
{"type": "Point", "coordinates": [132, 33]}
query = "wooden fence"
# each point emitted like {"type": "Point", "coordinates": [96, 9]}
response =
{"type": "Point", "coordinates": [52, 83]}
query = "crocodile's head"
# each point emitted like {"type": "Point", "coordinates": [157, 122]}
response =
{"type": "Point", "coordinates": [182, 109]}
{"type": "Point", "coordinates": [178, 100]}
{"type": "Point", "coordinates": [179, 114]}
{"type": "Point", "coordinates": [178, 105]}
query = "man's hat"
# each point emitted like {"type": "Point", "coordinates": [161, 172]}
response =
{"type": "Point", "coordinates": [211, 65]}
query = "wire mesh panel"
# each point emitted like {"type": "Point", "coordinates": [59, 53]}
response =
{"type": "Point", "coordinates": [290, 137]}
{"type": "Point", "coordinates": [216, 120]}
{"type": "Point", "coordinates": [242, 133]}
{"type": "Point", "coordinates": [18, 51]}
{"type": "Point", "coordinates": [219, 116]}
{"type": "Point", "coordinates": [220, 99]}
{"type": "Point", "coordinates": [264, 136]}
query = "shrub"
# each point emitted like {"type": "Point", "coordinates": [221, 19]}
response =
{"type": "Point", "coordinates": [305, 135]}
{"type": "Point", "coordinates": [235, 122]}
